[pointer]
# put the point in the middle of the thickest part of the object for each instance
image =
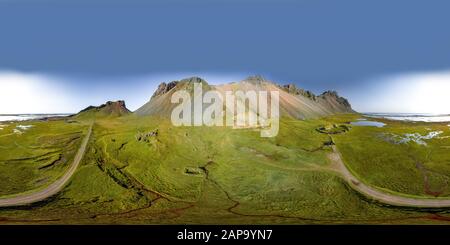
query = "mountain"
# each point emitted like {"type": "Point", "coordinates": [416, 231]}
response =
{"type": "Point", "coordinates": [109, 109]}
{"type": "Point", "coordinates": [294, 102]}
{"type": "Point", "coordinates": [160, 104]}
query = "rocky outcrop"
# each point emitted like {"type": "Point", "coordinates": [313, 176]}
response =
{"type": "Point", "coordinates": [160, 103]}
{"type": "Point", "coordinates": [164, 88]}
{"type": "Point", "coordinates": [255, 79]}
{"type": "Point", "coordinates": [292, 89]}
{"type": "Point", "coordinates": [145, 137]}
{"type": "Point", "coordinates": [333, 98]}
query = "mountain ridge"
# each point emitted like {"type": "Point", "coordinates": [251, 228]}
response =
{"type": "Point", "coordinates": [294, 102]}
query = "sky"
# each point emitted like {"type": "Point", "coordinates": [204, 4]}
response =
{"type": "Point", "coordinates": [62, 56]}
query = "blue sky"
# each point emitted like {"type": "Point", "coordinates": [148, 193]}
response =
{"type": "Point", "coordinates": [99, 50]}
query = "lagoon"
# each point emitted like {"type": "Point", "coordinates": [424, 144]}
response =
{"type": "Point", "coordinates": [368, 123]}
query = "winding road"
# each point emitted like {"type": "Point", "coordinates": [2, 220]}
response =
{"type": "Point", "coordinates": [55, 187]}
{"type": "Point", "coordinates": [384, 197]}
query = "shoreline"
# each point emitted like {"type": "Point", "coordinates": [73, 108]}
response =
{"type": "Point", "coordinates": [11, 118]}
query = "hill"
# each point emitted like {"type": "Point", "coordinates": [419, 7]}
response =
{"type": "Point", "coordinates": [109, 109]}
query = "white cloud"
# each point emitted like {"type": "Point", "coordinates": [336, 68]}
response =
{"type": "Point", "coordinates": [31, 93]}
{"type": "Point", "coordinates": [22, 93]}
{"type": "Point", "coordinates": [425, 92]}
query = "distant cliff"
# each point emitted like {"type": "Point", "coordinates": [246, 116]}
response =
{"type": "Point", "coordinates": [109, 109]}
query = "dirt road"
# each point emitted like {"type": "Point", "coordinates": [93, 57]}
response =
{"type": "Point", "coordinates": [54, 187]}
{"type": "Point", "coordinates": [384, 197]}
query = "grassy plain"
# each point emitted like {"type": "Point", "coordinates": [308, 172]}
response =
{"type": "Point", "coordinates": [34, 154]}
{"type": "Point", "coordinates": [376, 157]}
{"type": "Point", "coordinates": [142, 170]}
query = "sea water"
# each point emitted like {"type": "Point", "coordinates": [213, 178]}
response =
{"type": "Point", "coordinates": [412, 117]}
{"type": "Point", "coordinates": [25, 117]}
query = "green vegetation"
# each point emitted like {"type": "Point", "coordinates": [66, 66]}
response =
{"type": "Point", "coordinates": [143, 170]}
{"type": "Point", "coordinates": [378, 158]}
{"type": "Point", "coordinates": [334, 129]}
{"type": "Point", "coordinates": [35, 154]}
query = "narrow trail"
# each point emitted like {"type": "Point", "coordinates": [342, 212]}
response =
{"type": "Point", "coordinates": [54, 188]}
{"type": "Point", "coordinates": [384, 197]}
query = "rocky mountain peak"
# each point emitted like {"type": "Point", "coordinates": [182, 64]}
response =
{"type": "Point", "coordinates": [164, 88]}
{"type": "Point", "coordinates": [293, 89]}
{"type": "Point", "coordinates": [255, 79]}
{"type": "Point", "coordinates": [194, 80]}
{"type": "Point", "coordinates": [110, 108]}
{"type": "Point", "coordinates": [331, 94]}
